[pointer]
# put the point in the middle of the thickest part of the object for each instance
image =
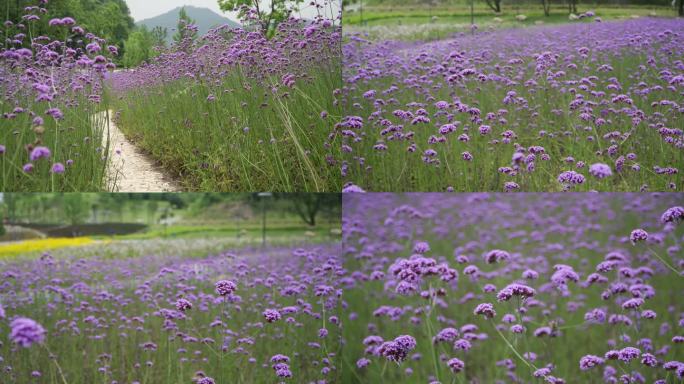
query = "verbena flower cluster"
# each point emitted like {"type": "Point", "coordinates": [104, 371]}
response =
{"type": "Point", "coordinates": [277, 63]}
{"type": "Point", "coordinates": [254, 96]}
{"type": "Point", "coordinates": [50, 87]}
{"type": "Point", "coordinates": [585, 106]}
{"type": "Point", "coordinates": [580, 289]}
{"type": "Point", "coordinates": [236, 110]}
{"type": "Point", "coordinates": [163, 317]}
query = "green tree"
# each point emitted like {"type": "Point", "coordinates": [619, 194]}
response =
{"type": "Point", "coordinates": [11, 203]}
{"type": "Point", "coordinates": [309, 205]}
{"type": "Point", "coordinates": [138, 47]}
{"type": "Point", "coordinates": [181, 31]}
{"type": "Point", "coordinates": [152, 207]}
{"type": "Point", "coordinates": [495, 5]}
{"type": "Point", "coordinates": [75, 209]}
{"type": "Point", "coordinates": [159, 36]}
{"type": "Point", "coordinates": [268, 17]}
{"type": "Point", "coordinates": [94, 209]}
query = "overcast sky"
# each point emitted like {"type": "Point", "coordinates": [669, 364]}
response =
{"type": "Point", "coordinates": [144, 9]}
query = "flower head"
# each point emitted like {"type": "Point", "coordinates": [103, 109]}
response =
{"type": "Point", "coordinates": [485, 309]}
{"type": "Point", "coordinates": [515, 289]}
{"type": "Point", "coordinates": [638, 235]}
{"type": "Point", "coordinates": [25, 332]}
{"type": "Point", "coordinates": [455, 365]}
{"type": "Point", "coordinates": [39, 153]}
{"type": "Point", "coordinates": [183, 305]}
{"type": "Point", "coordinates": [590, 361]}
{"type": "Point", "coordinates": [271, 315]}
{"type": "Point", "coordinates": [600, 170]}
{"type": "Point", "coordinates": [673, 215]}
{"type": "Point", "coordinates": [57, 168]}
{"type": "Point", "coordinates": [398, 349]}
{"type": "Point", "coordinates": [496, 256]}
{"type": "Point", "coordinates": [225, 287]}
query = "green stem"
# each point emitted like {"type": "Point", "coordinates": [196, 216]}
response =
{"type": "Point", "coordinates": [430, 331]}
{"type": "Point", "coordinates": [515, 351]}
{"type": "Point", "coordinates": [59, 368]}
{"type": "Point", "coordinates": [666, 263]}
{"type": "Point", "coordinates": [384, 367]}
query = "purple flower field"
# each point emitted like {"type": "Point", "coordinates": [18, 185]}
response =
{"type": "Point", "coordinates": [437, 275]}
{"type": "Point", "coordinates": [51, 89]}
{"type": "Point", "coordinates": [522, 288]}
{"type": "Point", "coordinates": [254, 315]}
{"type": "Point", "coordinates": [577, 107]}
{"type": "Point", "coordinates": [233, 110]}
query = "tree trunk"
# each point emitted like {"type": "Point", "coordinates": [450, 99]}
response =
{"type": "Point", "coordinates": [495, 5]}
{"type": "Point", "coordinates": [681, 8]}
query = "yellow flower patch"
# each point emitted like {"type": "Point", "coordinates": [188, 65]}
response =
{"type": "Point", "coordinates": [37, 245]}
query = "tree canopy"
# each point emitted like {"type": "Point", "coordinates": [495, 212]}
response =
{"type": "Point", "coordinates": [139, 47]}
{"type": "Point", "coordinates": [266, 16]}
{"type": "Point", "coordinates": [182, 31]}
{"type": "Point", "coordinates": [76, 208]}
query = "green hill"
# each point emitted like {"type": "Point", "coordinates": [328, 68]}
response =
{"type": "Point", "coordinates": [204, 18]}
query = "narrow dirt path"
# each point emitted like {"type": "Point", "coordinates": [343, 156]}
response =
{"type": "Point", "coordinates": [129, 169]}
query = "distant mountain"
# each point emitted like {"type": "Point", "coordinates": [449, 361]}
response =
{"type": "Point", "coordinates": [204, 18]}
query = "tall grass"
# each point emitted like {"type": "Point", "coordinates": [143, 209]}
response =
{"type": "Point", "coordinates": [236, 111]}
{"type": "Point", "coordinates": [245, 140]}
{"type": "Point", "coordinates": [77, 137]}
{"type": "Point", "coordinates": [51, 90]}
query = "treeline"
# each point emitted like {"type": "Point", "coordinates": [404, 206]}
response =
{"type": "Point", "coordinates": [309, 207]}
{"type": "Point", "coordinates": [143, 44]}
{"type": "Point", "coordinates": [76, 208]}
{"type": "Point", "coordinates": [498, 6]}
